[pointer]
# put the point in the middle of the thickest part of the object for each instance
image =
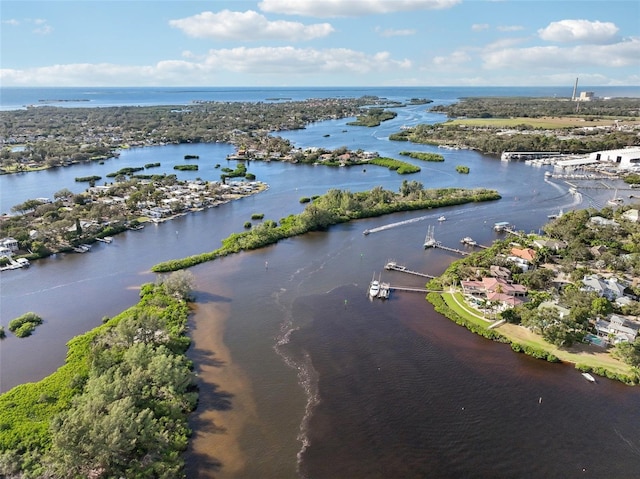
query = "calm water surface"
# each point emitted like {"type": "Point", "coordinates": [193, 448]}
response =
{"type": "Point", "coordinates": [345, 387]}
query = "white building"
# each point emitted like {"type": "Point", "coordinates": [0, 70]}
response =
{"type": "Point", "coordinates": [624, 158]}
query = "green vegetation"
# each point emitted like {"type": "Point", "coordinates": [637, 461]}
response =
{"type": "Point", "coordinates": [420, 101]}
{"type": "Point", "coordinates": [186, 167]}
{"type": "Point", "coordinates": [423, 156]}
{"type": "Point", "coordinates": [533, 107]}
{"type": "Point", "coordinates": [494, 125]}
{"type": "Point", "coordinates": [191, 157]}
{"type": "Point", "coordinates": [336, 206]}
{"type": "Point", "coordinates": [125, 171]}
{"type": "Point", "coordinates": [118, 405]}
{"type": "Point", "coordinates": [239, 172]}
{"type": "Point", "coordinates": [491, 140]}
{"type": "Point", "coordinates": [152, 165]}
{"type": "Point", "coordinates": [462, 169]}
{"type": "Point", "coordinates": [305, 199]}
{"type": "Point", "coordinates": [25, 325]}
{"type": "Point", "coordinates": [401, 167]}
{"type": "Point", "coordinates": [247, 225]}
{"type": "Point", "coordinates": [257, 216]}
{"type": "Point", "coordinates": [2, 333]}
{"type": "Point", "coordinates": [88, 179]}
{"type": "Point", "coordinates": [632, 179]}
{"type": "Point", "coordinates": [373, 117]}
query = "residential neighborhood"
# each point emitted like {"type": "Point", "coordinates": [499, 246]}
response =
{"type": "Point", "coordinates": [71, 223]}
{"type": "Point", "coordinates": [578, 283]}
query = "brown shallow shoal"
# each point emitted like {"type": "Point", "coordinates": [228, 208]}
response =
{"type": "Point", "coordinates": [226, 405]}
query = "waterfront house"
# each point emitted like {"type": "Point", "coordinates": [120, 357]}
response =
{"type": "Point", "coordinates": [600, 221]}
{"type": "Point", "coordinates": [551, 244]}
{"type": "Point", "coordinates": [496, 290]}
{"type": "Point", "coordinates": [10, 243]}
{"type": "Point", "coordinates": [500, 272]}
{"type": "Point", "coordinates": [617, 329]}
{"type": "Point", "coordinates": [527, 254]}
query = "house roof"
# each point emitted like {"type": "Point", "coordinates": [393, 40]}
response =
{"type": "Point", "coordinates": [524, 253]}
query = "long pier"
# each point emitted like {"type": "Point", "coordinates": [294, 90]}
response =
{"type": "Point", "coordinates": [413, 290]}
{"type": "Point", "coordinates": [393, 266]}
{"type": "Point", "coordinates": [452, 250]}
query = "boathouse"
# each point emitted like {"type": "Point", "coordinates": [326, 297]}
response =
{"type": "Point", "coordinates": [624, 158]}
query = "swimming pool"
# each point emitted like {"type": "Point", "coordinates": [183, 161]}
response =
{"type": "Point", "coordinates": [597, 340]}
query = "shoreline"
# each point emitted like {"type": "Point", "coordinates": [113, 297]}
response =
{"type": "Point", "coordinates": [226, 402]}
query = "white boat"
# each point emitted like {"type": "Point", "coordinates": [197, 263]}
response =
{"type": "Point", "coordinates": [442, 218]}
{"type": "Point", "coordinates": [385, 290]}
{"type": "Point", "coordinates": [23, 262]}
{"type": "Point", "coordinates": [589, 377]}
{"type": "Point", "coordinates": [374, 288]}
{"type": "Point", "coordinates": [616, 200]}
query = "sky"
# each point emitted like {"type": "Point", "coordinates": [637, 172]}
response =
{"type": "Point", "coordinates": [319, 43]}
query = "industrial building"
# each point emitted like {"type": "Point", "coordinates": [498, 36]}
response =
{"type": "Point", "coordinates": [624, 158]}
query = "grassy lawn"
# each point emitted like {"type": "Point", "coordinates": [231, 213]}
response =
{"type": "Point", "coordinates": [456, 302]}
{"type": "Point", "coordinates": [549, 123]}
{"type": "Point", "coordinates": [589, 355]}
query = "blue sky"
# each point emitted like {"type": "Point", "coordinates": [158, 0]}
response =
{"type": "Point", "coordinates": [319, 42]}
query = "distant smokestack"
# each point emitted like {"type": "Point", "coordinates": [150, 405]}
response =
{"type": "Point", "coordinates": [575, 88]}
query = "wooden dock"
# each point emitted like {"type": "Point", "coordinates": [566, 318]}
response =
{"type": "Point", "coordinates": [413, 290]}
{"type": "Point", "coordinates": [452, 250]}
{"type": "Point", "coordinates": [393, 266]}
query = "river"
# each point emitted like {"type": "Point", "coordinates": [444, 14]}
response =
{"type": "Point", "coordinates": [328, 383]}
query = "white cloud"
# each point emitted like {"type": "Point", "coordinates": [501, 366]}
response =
{"type": "Point", "coordinates": [301, 61]}
{"type": "Point", "coordinates": [249, 25]}
{"type": "Point", "coordinates": [286, 64]}
{"type": "Point", "coordinates": [12, 21]}
{"type": "Point", "coordinates": [459, 57]}
{"type": "Point", "coordinates": [389, 32]}
{"type": "Point", "coordinates": [579, 30]}
{"type": "Point", "coordinates": [43, 29]}
{"type": "Point", "coordinates": [478, 27]}
{"type": "Point", "coordinates": [503, 43]}
{"type": "Point", "coordinates": [510, 28]}
{"type": "Point", "coordinates": [616, 55]}
{"type": "Point", "coordinates": [350, 8]}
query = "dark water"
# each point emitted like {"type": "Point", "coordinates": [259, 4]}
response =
{"type": "Point", "coordinates": [322, 406]}
{"type": "Point", "coordinates": [403, 392]}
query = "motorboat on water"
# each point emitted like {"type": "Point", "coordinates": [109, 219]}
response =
{"type": "Point", "coordinates": [442, 218]}
{"type": "Point", "coordinates": [589, 377]}
{"type": "Point", "coordinates": [374, 288]}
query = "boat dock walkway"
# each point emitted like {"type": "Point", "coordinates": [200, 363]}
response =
{"type": "Point", "coordinates": [414, 290]}
{"type": "Point", "coordinates": [393, 266]}
{"type": "Point", "coordinates": [452, 250]}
